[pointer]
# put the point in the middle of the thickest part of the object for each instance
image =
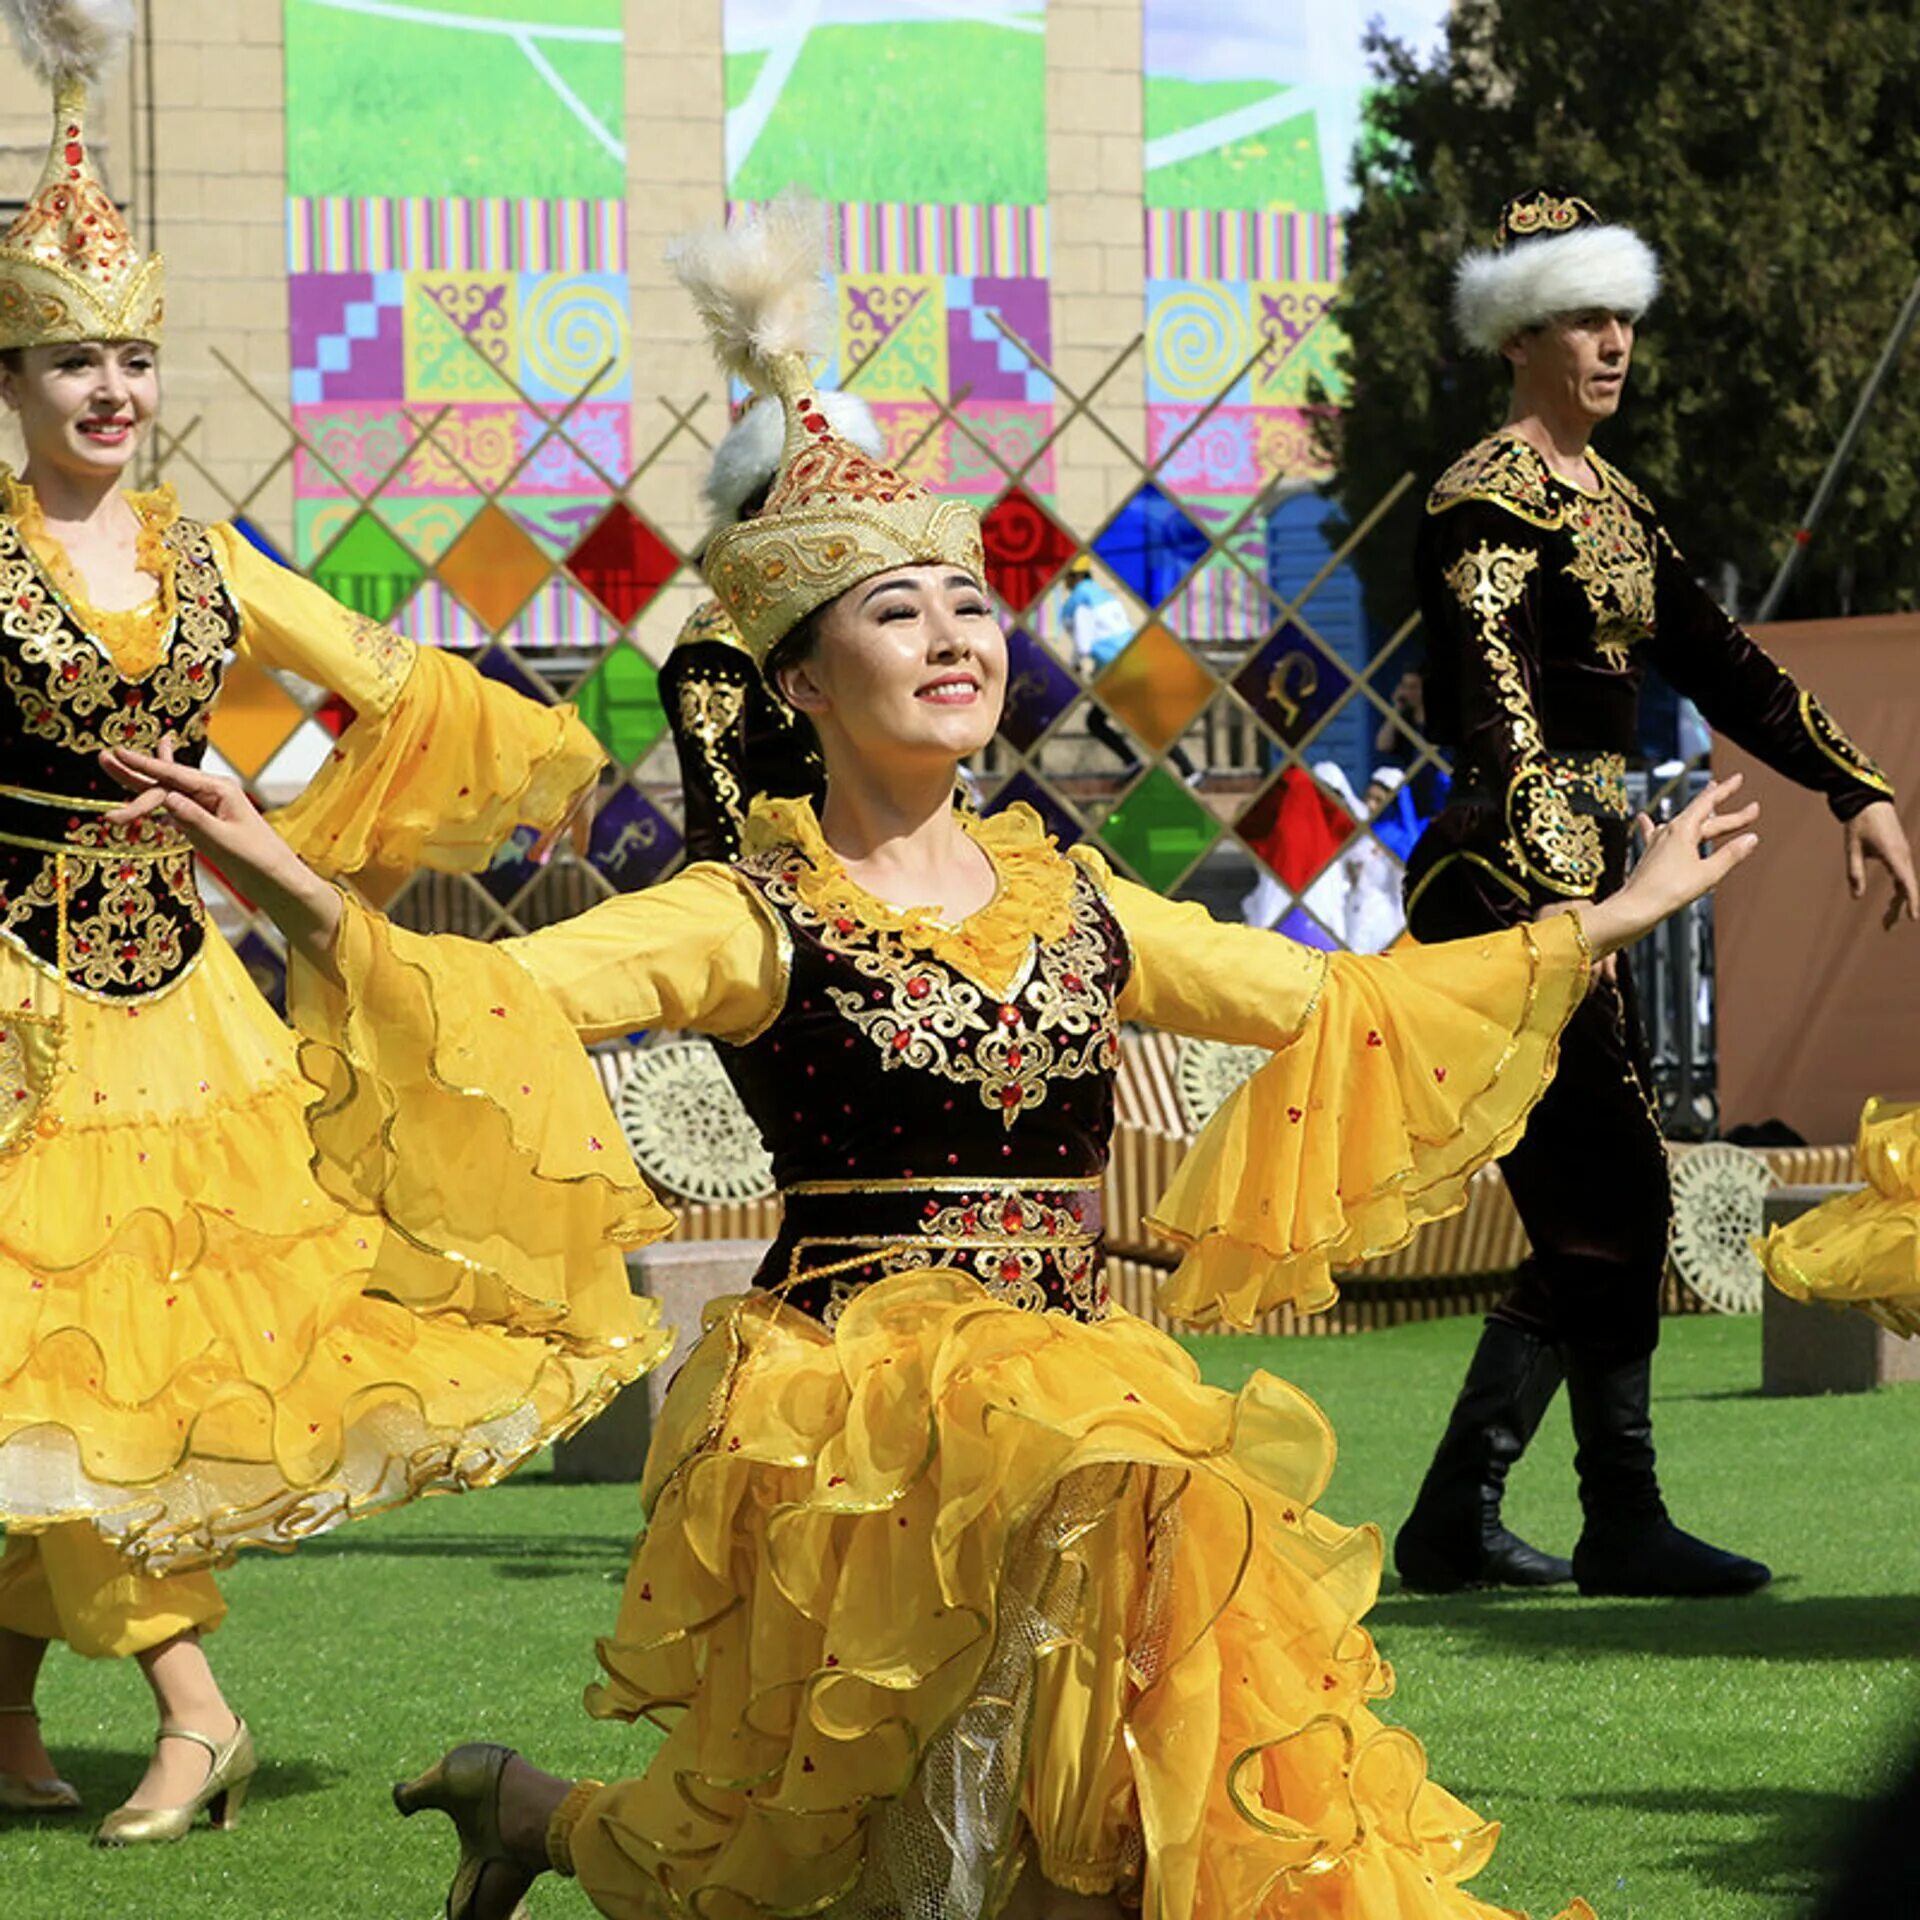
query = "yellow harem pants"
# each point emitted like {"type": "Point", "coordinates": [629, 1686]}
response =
{"type": "Point", "coordinates": [66, 1583]}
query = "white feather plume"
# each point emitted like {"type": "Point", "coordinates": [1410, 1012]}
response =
{"type": "Point", "coordinates": [760, 286]}
{"type": "Point", "coordinates": [748, 456]}
{"type": "Point", "coordinates": [69, 39]}
{"type": "Point", "coordinates": [1497, 294]}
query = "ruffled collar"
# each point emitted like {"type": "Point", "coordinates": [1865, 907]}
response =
{"type": "Point", "coordinates": [133, 636]}
{"type": "Point", "coordinates": [1033, 901]}
{"type": "Point", "coordinates": [157, 507]}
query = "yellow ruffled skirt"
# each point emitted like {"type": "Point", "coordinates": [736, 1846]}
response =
{"type": "Point", "coordinates": [200, 1348]}
{"type": "Point", "coordinates": [955, 1584]}
{"type": "Point", "coordinates": [1862, 1249]}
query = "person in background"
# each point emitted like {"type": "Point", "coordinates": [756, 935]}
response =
{"type": "Point", "coordinates": [1550, 586]}
{"type": "Point", "coordinates": [1100, 629]}
{"type": "Point", "coordinates": [202, 1346]}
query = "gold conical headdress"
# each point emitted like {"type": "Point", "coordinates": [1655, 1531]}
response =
{"type": "Point", "coordinates": [69, 268]}
{"type": "Point", "coordinates": [836, 516]}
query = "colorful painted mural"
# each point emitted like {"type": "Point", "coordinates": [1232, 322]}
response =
{"type": "Point", "coordinates": [942, 244]}
{"type": "Point", "coordinates": [457, 287]}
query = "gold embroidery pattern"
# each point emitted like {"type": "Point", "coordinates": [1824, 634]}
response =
{"type": "Point", "coordinates": [1506, 472]}
{"type": "Point", "coordinates": [389, 654]}
{"type": "Point", "coordinates": [132, 923]}
{"type": "Point", "coordinates": [1825, 735]}
{"type": "Point", "coordinates": [1552, 845]}
{"type": "Point", "coordinates": [1600, 780]}
{"type": "Point", "coordinates": [1613, 564]}
{"type": "Point", "coordinates": [1055, 1020]}
{"type": "Point", "coordinates": [710, 710]}
{"type": "Point", "coordinates": [1019, 1236]}
{"type": "Point", "coordinates": [66, 687]}
{"type": "Point", "coordinates": [1542, 212]}
{"type": "Point", "coordinates": [29, 1058]}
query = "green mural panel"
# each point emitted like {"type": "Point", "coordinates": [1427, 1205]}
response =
{"type": "Point", "coordinates": [389, 98]}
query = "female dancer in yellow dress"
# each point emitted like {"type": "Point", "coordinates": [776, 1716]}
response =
{"type": "Point", "coordinates": [957, 1586]}
{"type": "Point", "coordinates": [1862, 1249]}
{"type": "Point", "coordinates": [192, 1354]}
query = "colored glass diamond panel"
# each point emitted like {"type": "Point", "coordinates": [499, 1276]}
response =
{"type": "Point", "coordinates": [511, 869]}
{"type": "Point", "coordinates": [494, 568]}
{"type": "Point", "coordinates": [1152, 545]}
{"type": "Point", "coordinates": [253, 719]}
{"type": "Point", "coordinates": [1159, 830]}
{"type": "Point", "coordinates": [266, 968]}
{"type": "Point", "coordinates": [1026, 548]}
{"type": "Point", "coordinates": [623, 563]}
{"type": "Point", "coordinates": [1039, 689]}
{"type": "Point", "coordinates": [1024, 790]}
{"type": "Point", "coordinates": [633, 842]}
{"type": "Point", "coordinates": [620, 704]}
{"type": "Point", "coordinates": [368, 569]}
{"type": "Point", "coordinates": [499, 663]}
{"type": "Point", "coordinates": [1291, 683]}
{"type": "Point", "coordinates": [1297, 827]}
{"type": "Point", "coordinates": [1156, 687]}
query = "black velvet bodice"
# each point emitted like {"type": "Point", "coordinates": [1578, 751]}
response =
{"type": "Point", "coordinates": [918, 1115]}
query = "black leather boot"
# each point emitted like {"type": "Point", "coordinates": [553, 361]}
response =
{"type": "Point", "coordinates": [1629, 1545]}
{"type": "Point", "coordinates": [1453, 1538]}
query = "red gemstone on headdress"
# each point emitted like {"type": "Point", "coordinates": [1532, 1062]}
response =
{"type": "Point", "coordinates": [75, 153]}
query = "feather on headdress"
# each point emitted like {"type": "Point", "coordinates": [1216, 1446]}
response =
{"type": "Point", "coordinates": [835, 515]}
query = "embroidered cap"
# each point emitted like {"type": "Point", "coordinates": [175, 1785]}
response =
{"type": "Point", "coordinates": [69, 265]}
{"type": "Point", "coordinates": [1552, 253]}
{"type": "Point", "coordinates": [835, 515]}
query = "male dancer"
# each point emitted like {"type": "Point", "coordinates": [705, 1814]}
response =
{"type": "Point", "coordinates": [1548, 584]}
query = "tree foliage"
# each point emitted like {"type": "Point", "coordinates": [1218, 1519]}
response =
{"type": "Point", "coordinates": [1770, 152]}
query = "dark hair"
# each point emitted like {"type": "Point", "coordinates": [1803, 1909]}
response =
{"type": "Point", "coordinates": [796, 646]}
{"type": "Point", "coordinates": [12, 358]}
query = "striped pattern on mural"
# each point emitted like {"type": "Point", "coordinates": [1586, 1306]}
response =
{"type": "Point", "coordinates": [1193, 243]}
{"type": "Point", "coordinates": [480, 236]}
{"type": "Point", "coordinates": [984, 242]}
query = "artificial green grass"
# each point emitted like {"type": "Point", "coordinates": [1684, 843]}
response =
{"type": "Point", "coordinates": [395, 106]}
{"type": "Point", "coordinates": [1279, 167]}
{"type": "Point", "coordinates": [1695, 1760]}
{"type": "Point", "coordinates": [976, 94]}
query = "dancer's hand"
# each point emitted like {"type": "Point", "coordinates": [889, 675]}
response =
{"type": "Point", "coordinates": [1875, 833]}
{"type": "Point", "coordinates": [1689, 856]}
{"type": "Point", "coordinates": [223, 824]}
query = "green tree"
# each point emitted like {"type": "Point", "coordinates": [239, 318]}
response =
{"type": "Point", "coordinates": [1770, 152]}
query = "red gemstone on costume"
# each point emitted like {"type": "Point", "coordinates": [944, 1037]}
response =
{"type": "Point", "coordinates": [1373, 1040]}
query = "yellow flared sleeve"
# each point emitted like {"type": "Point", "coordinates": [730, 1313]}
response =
{"type": "Point", "coordinates": [459, 1114]}
{"type": "Point", "coordinates": [1862, 1249]}
{"type": "Point", "coordinates": [1394, 1077]}
{"type": "Point", "coordinates": [440, 763]}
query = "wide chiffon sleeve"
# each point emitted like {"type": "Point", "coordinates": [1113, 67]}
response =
{"type": "Point", "coordinates": [1394, 1077]}
{"type": "Point", "coordinates": [458, 1112]}
{"type": "Point", "coordinates": [439, 765]}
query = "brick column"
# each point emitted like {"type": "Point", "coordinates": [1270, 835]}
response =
{"type": "Point", "coordinates": [676, 181]}
{"type": "Point", "coordinates": [209, 186]}
{"type": "Point", "coordinates": [1095, 186]}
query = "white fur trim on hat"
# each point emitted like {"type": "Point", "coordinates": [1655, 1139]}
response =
{"type": "Point", "coordinates": [1497, 294]}
{"type": "Point", "coordinates": [748, 456]}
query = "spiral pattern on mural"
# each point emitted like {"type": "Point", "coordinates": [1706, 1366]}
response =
{"type": "Point", "coordinates": [569, 329]}
{"type": "Point", "coordinates": [1196, 341]}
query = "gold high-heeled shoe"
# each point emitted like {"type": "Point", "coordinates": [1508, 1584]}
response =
{"type": "Point", "coordinates": [223, 1793]}
{"type": "Point", "coordinates": [465, 1785]}
{"type": "Point", "coordinates": [19, 1793]}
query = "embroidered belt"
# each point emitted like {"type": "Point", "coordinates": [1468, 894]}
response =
{"type": "Point", "coordinates": [110, 908]}
{"type": "Point", "coordinates": [1036, 1243]}
{"type": "Point", "coordinates": [69, 824]}
{"type": "Point", "coordinates": [1594, 784]}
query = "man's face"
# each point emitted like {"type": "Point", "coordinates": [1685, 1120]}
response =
{"type": "Point", "coordinates": [1574, 367]}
